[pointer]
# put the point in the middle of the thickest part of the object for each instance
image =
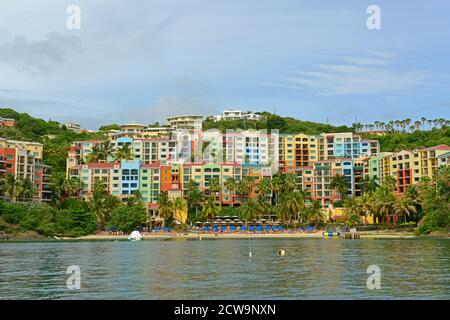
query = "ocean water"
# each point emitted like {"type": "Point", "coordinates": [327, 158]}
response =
{"type": "Point", "coordinates": [222, 269]}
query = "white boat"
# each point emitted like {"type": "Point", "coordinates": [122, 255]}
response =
{"type": "Point", "coordinates": [135, 236]}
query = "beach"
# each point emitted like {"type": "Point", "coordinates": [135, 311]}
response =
{"type": "Point", "coordinates": [198, 236]}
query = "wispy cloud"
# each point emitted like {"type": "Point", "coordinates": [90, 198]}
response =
{"type": "Point", "coordinates": [355, 76]}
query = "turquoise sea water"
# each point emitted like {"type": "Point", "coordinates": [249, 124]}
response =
{"type": "Point", "coordinates": [222, 269]}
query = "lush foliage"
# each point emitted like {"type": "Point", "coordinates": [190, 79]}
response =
{"type": "Point", "coordinates": [272, 121]}
{"type": "Point", "coordinates": [73, 220]}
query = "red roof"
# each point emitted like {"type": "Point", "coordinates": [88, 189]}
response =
{"type": "Point", "coordinates": [151, 165]}
{"type": "Point", "coordinates": [439, 147]}
{"type": "Point", "coordinates": [101, 165]}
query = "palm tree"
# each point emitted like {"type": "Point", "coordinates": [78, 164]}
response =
{"type": "Point", "coordinates": [179, 207]}
{"type": "Point", "coordinates": [25, 189]}
{"type": "Point", "coordinates": [97, 205]}
{"type": "Point", "coordinates": [214, 187]}
{"type": "Point", "coordinates": [210, 210]}
{"type": "Point", "coordinates": [248, 210]}
{"type": "Point", "coordinates": [290, 183]}
{"type": "Point", "coordinates": [404, 207]}
{"type": "Point", "coordinates": [295, 205]}
{"type": "Point", "coordinates": [383, 202]}
{"type": "Point", "coordinates": [195, 199]}
{"type": "Point", "coordinates": [72, 186]}
{"type": "Point", "coordinates": [231, 185]}
{"type": "Point", "coordinates": [369, 184]}
{"type": "Point", "coordinates": [106, 149]}
{"type": "Point", "coordinates": [277, 184]}
{"type": "Point", "coordinates": [352, 209]}
{"type": "Point", "coordinates": [245, 186]}
{"type": "Point", "coordinates": [423, 120]}
{"type": "Point", "coordinates": [340, 184]}
{"type": "Point", "coordinates": [124, 153]}
{"type": "Point", "coordinates": [10, 186]}
{"type": "Point", "coordinates": [265, 187]}
{"type": "Point", "coordinates": [95, 155]}
{"type": "Point", "coordinates": [315, 212]}
{"type": "Point", "coordinates": [365, 203]}
{"type": "Point", "coordinates": [164, 206]}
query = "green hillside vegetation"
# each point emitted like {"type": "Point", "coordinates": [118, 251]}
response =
{"type": "Point", "coordinates": [271, 121]}
{"type": "Point", "coordinates": [396, 141]}
{"type": "Point", "coordinates": [56, 139]}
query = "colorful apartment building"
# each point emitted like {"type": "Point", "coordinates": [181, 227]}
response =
{"type": "Point", "coordinates": [349, 145]}
{"type": "Point", "coordinates": [407, 167]}
{"type": "Point", "coordinates": [7, 122]}
{"type": "Point", "coordinates": [23, 160]}
{"type": "Point", "coordinates": [300, 150]}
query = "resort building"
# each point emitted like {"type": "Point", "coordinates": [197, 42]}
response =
{"type": "Point", "coordinates": [300, 150]}
{"type": "Point", "coordinates": [185, 122]}
{"type": "Point", "coordinates": [23, 160]}
{"type": "Point", "coordinates": [349, 145]}
{"type": "Point", "coordinates": [236, 115]}
{"type": "Point", "coordinates": [7, 122]}
{"type": "Point", "coordinates": [251, 147]}
{"type": "Point", "coordinates": [407, 167]}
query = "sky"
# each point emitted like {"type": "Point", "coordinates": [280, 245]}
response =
{"type": "Point", "coordinates": [142, 61]}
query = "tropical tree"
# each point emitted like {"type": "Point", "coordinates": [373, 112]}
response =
{"type": "Point", "coordinates": [315, 213]}
{"type": "Point", "coordinates": [10, 186]}
{"type": "Point", "coordinates": [277, 185]}
{"type": "Point", "coordinates": [248, 210]}
{"type": "Point", "coordinates": [124, 153]}
{"type": "Point", "coordinates": [289, 182]}
{"type": "Point", "coordinates": [106, 149]}
{"type": "Point", "coordinates": [215, 188]}
{"type": "Point", "coordinates": [97, 205]}
{"type": "Point", "coordinates": [384, 201]}
{"type": "Point", "coordinates": [404, 207]}
{"type": "Point", "coordinates": [245, 186]}
{"type": "Point", "coordinates": [195, 199]}
{"type": "Point", "coordinates": [180, 209]}
{"type": "Point", "coordinates": [25, 189]}
{"type": "Point", "coordinates": [340, 184]}
{"type": "Point", "coordinates": [95, 155]}
{"type": "Point", "coordinates": [165, 208]}
{"type": "Point", "coordinates": [72, 186]}
{"type": "Point", "coordinates": [209, 208]}
{"type": "Point", "coordinates": [231, 185]}
{"type": "Point", "coordinates": [369, 184]}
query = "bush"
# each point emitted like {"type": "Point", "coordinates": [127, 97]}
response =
{"type": "Point", "coordinates": [127, 218]}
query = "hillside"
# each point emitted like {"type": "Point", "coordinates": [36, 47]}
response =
{"type": "Point", "coordinates": [56, 139]}
{"type": "Point", "coordinates": [396, 141]}
{"type": "Point", "coordinates": [271, 121]}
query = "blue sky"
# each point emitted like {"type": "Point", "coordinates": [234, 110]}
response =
{"type": "Point", "coordinates": [143, 61]}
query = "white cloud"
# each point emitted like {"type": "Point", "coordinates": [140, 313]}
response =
{"type": "Point", "coordinates": [357, 76]}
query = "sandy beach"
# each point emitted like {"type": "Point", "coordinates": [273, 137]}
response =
{"type": "Point", "coordinates": [196, 236]}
